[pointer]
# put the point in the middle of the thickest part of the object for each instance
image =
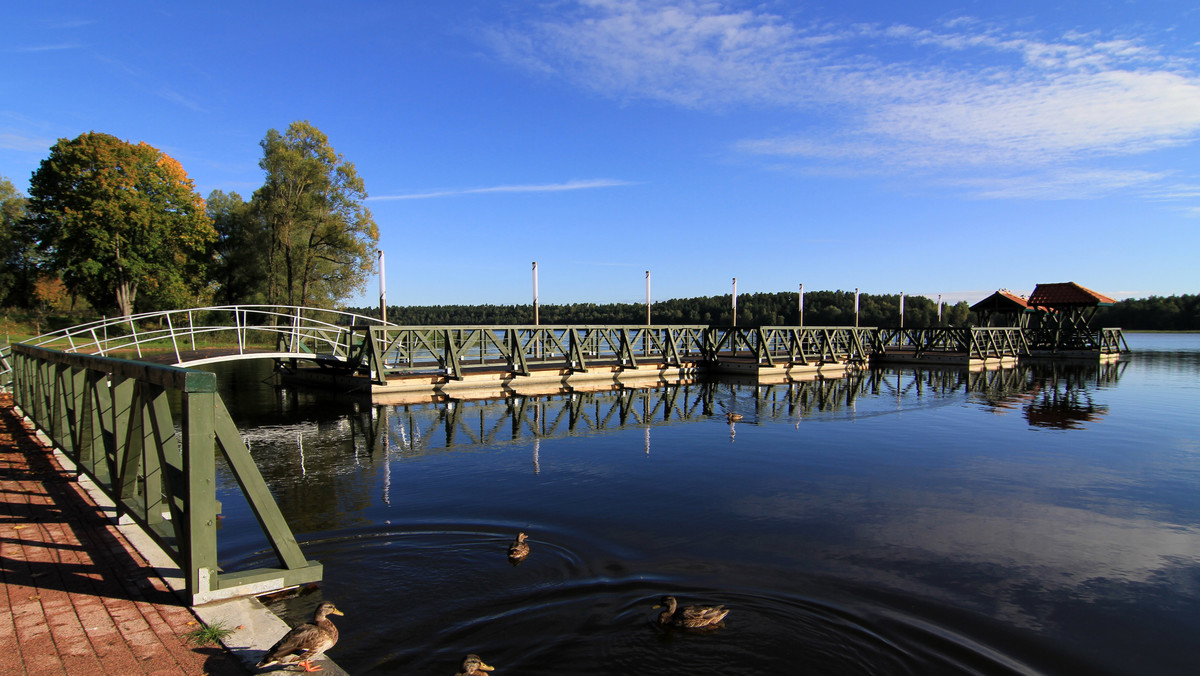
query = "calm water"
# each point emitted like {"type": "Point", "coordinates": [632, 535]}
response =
{"type": "Point", "coordinates": [1034, 520]}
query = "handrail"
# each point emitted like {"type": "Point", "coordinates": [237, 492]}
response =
{"type": "Point", "coordinates": [450, 350]}
{"type": "Point", "coordinates": [113, 418]}
{"type": "Point", "coordinates": [977, 342]}
{"type": "Point", "coordinates": [355, 342]}
{"type": "Point", "coordinates": [295, 330]}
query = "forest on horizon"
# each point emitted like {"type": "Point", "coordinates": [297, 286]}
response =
{"type": "Point", "coordinates": [821, 308]}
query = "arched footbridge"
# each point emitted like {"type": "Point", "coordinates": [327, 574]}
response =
{"type": "Point", "coordinates": [210, 334]}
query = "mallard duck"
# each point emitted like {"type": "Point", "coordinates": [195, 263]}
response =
{"type": "Point", "coordinates": [733, 417]}
{"type": "Point", "coordinates": [305, 642]}
{"type": "Point", "coordinates": [691, 617]}
{"type": "Point", "coordinates": [518, 550]}
{"type": "Point", "coordinates": [473, 665]}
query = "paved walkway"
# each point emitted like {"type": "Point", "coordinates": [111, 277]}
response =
{"type": "Point", "coordinates": [75, 597]}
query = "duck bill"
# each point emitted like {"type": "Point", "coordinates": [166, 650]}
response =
{"type": "Point", "coordinates": [486, 667]}
{"type": "Point", "coordinates": [335, 611]}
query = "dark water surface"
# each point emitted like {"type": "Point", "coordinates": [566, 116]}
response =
{"type": "Point", "coordinates": [1043, 519]}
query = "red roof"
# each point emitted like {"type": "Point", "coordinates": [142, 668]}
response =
{"type": "Point", "coordinates": [1066, 294]}
{"type": "Point", "coordinates": [1001, 300]}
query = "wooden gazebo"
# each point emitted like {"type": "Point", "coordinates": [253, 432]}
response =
{"type": "Point", "coordinates": [1064, 312]}
{"type": "Point", "coordinates": [1003, 308]}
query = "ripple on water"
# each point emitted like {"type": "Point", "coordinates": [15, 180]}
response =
{"type": "Point", "coordinates": [437, 592]}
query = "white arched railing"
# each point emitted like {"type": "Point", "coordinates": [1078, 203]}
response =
{"type": "Point", "coordinates": [204, 335]}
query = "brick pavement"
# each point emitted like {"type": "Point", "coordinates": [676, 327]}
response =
{"type": "Point", "coordinates": [75, 597]}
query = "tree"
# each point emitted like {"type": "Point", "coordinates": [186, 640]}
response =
{"type": "Point", "coordinates": [321, 237]}
{"type": "Point", "coordinates": [49, 293]}
{"type": "Point", "coordinates": [17, 248]}
{"type": "Point", "coordinates": [117, 219]}
{"type": "Point", "coordinates": [238, 265]}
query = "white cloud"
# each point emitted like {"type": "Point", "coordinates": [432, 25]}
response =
{"type": "Point", "coordinates": [1111, 112]}
{"type": "Point", "coordinates": [1060, 184]}
{"type": "Point", "coordinates": [34, 49]}
{"type": "Point", "coordinates": [10, 141]}
{"type": "Point", "coordinates": [544, 187]}
{"type": "Point", "coordinates": [885, 97]}
{"type": "Point", "coordinates": [179, 99]}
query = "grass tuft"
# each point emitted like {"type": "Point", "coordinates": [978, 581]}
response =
{"type": "Point", "coordinates": [211, 634]}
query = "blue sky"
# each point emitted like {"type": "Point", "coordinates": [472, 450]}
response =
{"type": "Point", "coordinates": [929, 148]}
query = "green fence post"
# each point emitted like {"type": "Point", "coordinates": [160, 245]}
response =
{"type": "Point", "coordinates": [199, 468]}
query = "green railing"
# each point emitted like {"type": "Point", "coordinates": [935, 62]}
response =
{"type": "Point", "coordinates": [114, 419]}
{"type": "Point", "coordinates": [1075, 340]}
{"type": "Point", "coordinates": [773, 345]}
{"type": "Point", "coordinates": [977, 342]}
{"type": "Point", "coordinates": [452, 350]}
{"type": "Point", "coordinates": [1111, 341]}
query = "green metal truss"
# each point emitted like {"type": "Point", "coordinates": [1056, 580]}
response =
{"type": "Point", "coordinates": [113, 418]}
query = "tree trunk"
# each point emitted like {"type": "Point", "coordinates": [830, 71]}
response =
{"type": "Point", "coordinates": [126, 293]}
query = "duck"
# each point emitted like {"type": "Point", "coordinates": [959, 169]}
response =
{"type": "Point", "coordinates": [474, 665]}
{"type": "Point", "coordinates": [305, 642]}
{"type": "Point", "coordinates": [691, 617]}
{"type": "Point", "coordinates": [518, 550]}
{"type": "Point", "coordinates": [733, 417]}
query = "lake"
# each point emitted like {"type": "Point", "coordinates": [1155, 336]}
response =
{"type": "Point", "coordinates": [1042, 519]}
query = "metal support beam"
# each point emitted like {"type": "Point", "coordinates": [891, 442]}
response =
{"type": "Point", "coordinates": [113, 418]}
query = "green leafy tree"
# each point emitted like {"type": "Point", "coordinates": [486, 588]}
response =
{"type": "Point", "coordinates": [116, 219]}
{"type": "Point", "coordinates": [18, 248]}
{"type": "Point", "coordinates": [958, 314]}
{"type": "Point", "coordinates": [321, 237]}
{"type": "Point", "coordinates": [238, 267]}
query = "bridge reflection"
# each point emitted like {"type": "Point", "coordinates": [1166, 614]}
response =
{"type": "Point", "coordinates": [1052, 395]}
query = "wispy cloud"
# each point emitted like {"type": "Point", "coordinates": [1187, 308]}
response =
{"type": "Point", "coordinates": [10, 141]}
{"type": "Point", "coordinates": [179, 99]}
{"type": "Point", "coordinates": [541, 187]}
{"type": "Point", "coordinates": [883, 97]}
{"type": "Point", "coordinates": [1060, 184]}
{"type": "Point", "coordinates": [34, 49]}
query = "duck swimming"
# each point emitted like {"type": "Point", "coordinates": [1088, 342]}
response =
{"type": "Point", "coordinates": [305, 642]}
{"type": "Point", "coordinates": [473, 665]}
{"type": "Point", "coordinates": [691, 617]}
{"type": "Point", "coordinates": [518, 550]}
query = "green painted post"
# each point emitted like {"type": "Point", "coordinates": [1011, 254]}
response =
{"type": "Point", "coordinates": [576, 361]}
{"type": "Point", "coordinates": [453, 363]}
{"type": "Point", "coordinates": [373, 339]}
{"type": "Point", "coordinates": [130, 446]}
{"type": "Point", "coordinates": [152, 485]}
{"type": "Point", "coordinates": [103, 438]}
{"type": "Point", "coordinates": [762, 350]}
{"type": "Point", "coordinates": [199, 470]}
{"type": "Point", "coordinates": [78, 397]}
{"type": "Point", "coordinates": [60, 422]}
{"type": "Point", "coordinates": [626, 349]}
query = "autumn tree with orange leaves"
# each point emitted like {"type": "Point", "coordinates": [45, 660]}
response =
{"type": "Point", "coordinates": [120, 221]}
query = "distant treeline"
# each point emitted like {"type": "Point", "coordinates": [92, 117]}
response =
{"type": "Point", "coordinates": [1156, 313]}
{"type": "Point", "coordinates": [821, 308]}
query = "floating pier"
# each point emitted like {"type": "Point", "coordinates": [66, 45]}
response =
{"type": "Point", "coordinates": [424, 363]}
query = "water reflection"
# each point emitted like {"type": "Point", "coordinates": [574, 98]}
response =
{"type": "Point", "coordinates": [1058, 397]}
{"type": "Point", "coordinates": [892, 521]}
